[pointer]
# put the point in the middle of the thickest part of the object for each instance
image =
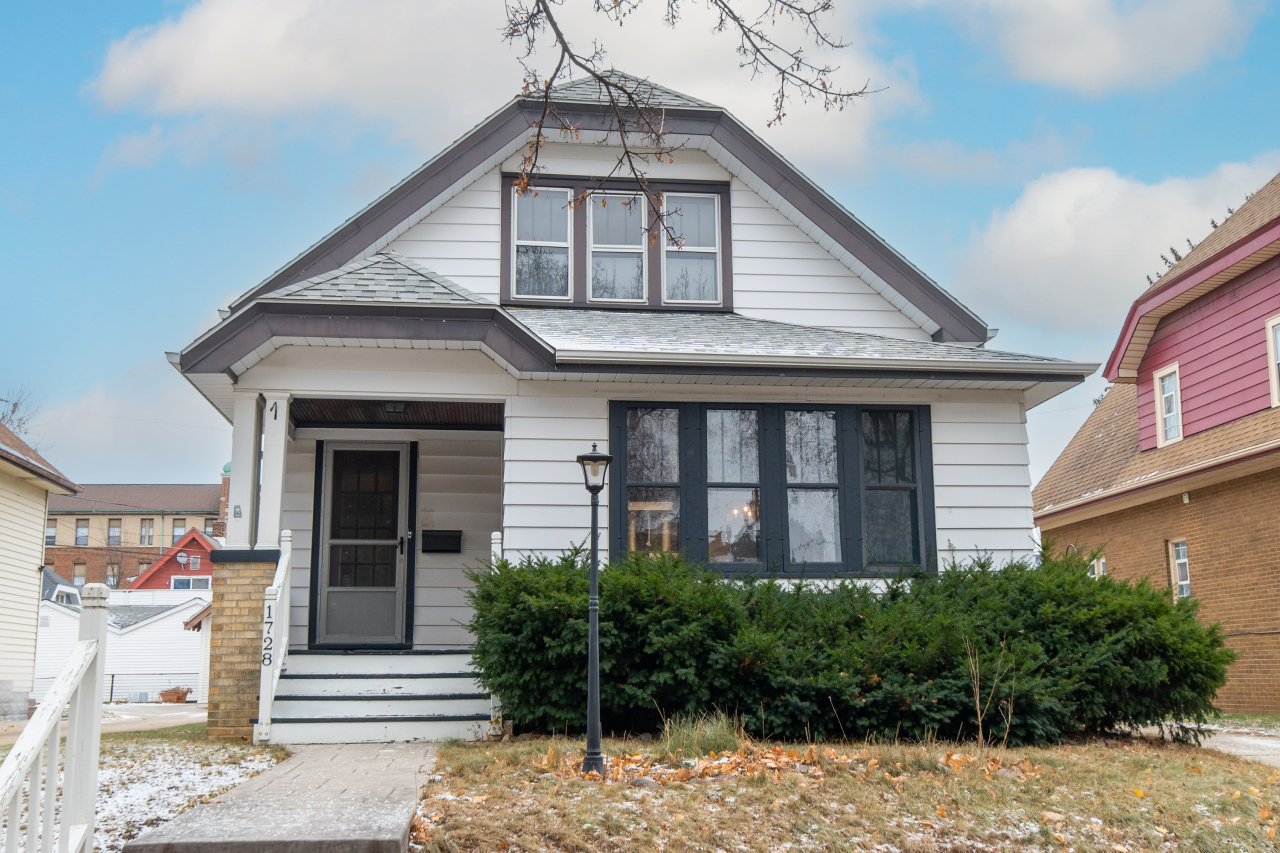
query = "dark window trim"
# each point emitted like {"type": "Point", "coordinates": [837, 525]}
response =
{"type": "Point", "coordinates": [578, 248]}
{"type": "Point", "coordinates": [317, 510]}
{"type": "Point", "coordinates": [411, 556]}
{"type": "Point", "coordinates": [693, 510]}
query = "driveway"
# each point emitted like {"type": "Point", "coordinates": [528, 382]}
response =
{"type": "Point", "coordinates": [126, 718]}
{"type": "Point", "coordinates": [1264, 749]}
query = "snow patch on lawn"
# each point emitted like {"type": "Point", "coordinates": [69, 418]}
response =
{"type": "Point", "coordinates": [144, 785]}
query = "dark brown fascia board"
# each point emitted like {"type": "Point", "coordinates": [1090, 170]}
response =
{"type": "Point", "coordinates": [53, 478]}
{"type": "Point", "coordinates": [509, 339]}
{"type": "Point", "coordinates": [265, 319]}
{"type": "Point", "coordinates": [398, 204]}
{"type": "Point", "coordinates": [958, 324]}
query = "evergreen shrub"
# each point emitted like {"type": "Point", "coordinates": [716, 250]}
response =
{"type": "Point", "coordinates": [1056, 652]}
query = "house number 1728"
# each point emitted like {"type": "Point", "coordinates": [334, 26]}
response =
{"type": "Point", "coordinates": [266, 638]}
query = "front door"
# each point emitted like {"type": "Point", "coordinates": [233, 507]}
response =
{"type": "Point", "coordinates": [362, 545]}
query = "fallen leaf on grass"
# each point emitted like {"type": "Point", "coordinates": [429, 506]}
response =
{"type": "Point", "coordinates": [1139, 793]}
{"type": "Point", "coordinates": [1053, 817]}
{"type": "Point", "coordinates": [1264, 813]}
{"type": "Point", "coordinates": [940, 812]}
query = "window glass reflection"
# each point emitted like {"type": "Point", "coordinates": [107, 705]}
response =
{"type": "Point", "coordinates": [813, 525]}
{"type": "Point", "coordinates": [653, 519]}
{"type": "Point", "coordinates": [733, 525]}
{"type": "Point", "coordinates": [733, 446]}
{"type": "Point", "coordinates": [653, 446]}
{"type": "Point", "coordinates": [811, 447]}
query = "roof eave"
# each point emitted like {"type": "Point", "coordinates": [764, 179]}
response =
{"type": "Point", "coordinates": [1244, 253]}
{"type": "Point", "coordinates": [566, 355]}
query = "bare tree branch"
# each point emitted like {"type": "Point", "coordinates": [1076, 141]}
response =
{"type": "Point", "coordinates": [635, 124]}
{"type": "Point", "coordinates": [16, 410]}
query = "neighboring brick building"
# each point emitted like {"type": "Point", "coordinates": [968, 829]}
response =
{"type": "Point", "coordinates": [1175, 476]}
{"type": "Point", "coordinates": [112, 533]}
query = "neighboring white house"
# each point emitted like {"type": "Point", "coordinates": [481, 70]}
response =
{"type": "Point", "coordinates": [26, 480]}
{"type": "Point", "coordinates": [782, 393]}
{"type": "Point", "coordinates": [147, 648]}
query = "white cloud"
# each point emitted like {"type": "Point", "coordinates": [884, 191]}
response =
{"type": "Point", "coordinates": [1097, 46]}
{"type": "Point", "coordinates": [1074, 250]}
{"type": "Point", "coordinates": [429, 71]}
{"type": "Point", "coordinates": [147, 426]}
{"type": "Point", "coordinates": [1017, 161]}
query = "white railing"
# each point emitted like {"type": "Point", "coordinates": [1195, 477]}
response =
{"type": "Point", "coordinates": [495, 544]}
{"type": "Point", "coordinates": [275, 637]}
{"type": "Point", "coordinates": [34, 758]}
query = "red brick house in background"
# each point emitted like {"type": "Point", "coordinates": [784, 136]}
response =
{"type": "Point", "coordinates": [185, 565]}
{"type": "Point", "coordinates": [111, 533]}
{"type": "Point", "coordinates": [1176, 474]}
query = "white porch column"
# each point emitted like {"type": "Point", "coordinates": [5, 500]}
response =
{"type": "Point", "coordinates": [246, 439]}
{"type": "Point", "coordinates": [275, 443]}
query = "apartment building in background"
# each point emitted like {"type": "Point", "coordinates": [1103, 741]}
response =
{"type": "Point", "coordinates": [112, 533]}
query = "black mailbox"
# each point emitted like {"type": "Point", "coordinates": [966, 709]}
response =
{"type": "Point", "coordinates": [442, 541]}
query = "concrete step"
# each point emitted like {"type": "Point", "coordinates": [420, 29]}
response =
{"type": "Point", "coordinates": [339, 708]}
{"type": "Point", "coordinates": [370, 663]}
{"type": "Point", "coordinates": [298, 684]}
{"type": "Point", "coordinates": [387, 730]}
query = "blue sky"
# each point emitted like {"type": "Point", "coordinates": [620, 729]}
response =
{"type": "Point", "coordinates": [160, 158]}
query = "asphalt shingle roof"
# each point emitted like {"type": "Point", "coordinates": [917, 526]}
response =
{"type": "Point", "coordinates": [17, 452]}
{"type": "Point", "coordinates": [125, 498]}
{"type": "Point", "coordinates": [121, 616]}
{"type": "Point", "coordinates": [723, 334]}
{"type": "Point", "coordinates": [587, 91]}
{"type": "Point", "coordinates": [1257, 211]}
{"type": "Point", "coordinates": [383, 277]}
{"type": "Point", "coordinates": [1104, 457]}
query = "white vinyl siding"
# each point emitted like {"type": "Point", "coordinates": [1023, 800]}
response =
{"type": "Point", "coordinates": [779, 272]}
{"type": "Point", "coordinates": [22, 523]}
{"type": "Point", "coordinates": [131, 653]}
{"type": "Point", "coordinates": [459, 488]}
{"type": "Point", "coordinates": [546, 507]}
{"type": "Point", "coordinates": [982, 482]}
{"type": "Point", "coordinates": [461, 239]}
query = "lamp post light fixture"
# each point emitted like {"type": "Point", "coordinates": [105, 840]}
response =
{"type": "Point", "coordinates": [594, 465]}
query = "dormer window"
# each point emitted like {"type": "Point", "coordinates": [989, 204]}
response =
{"type": "Point", "coordinates": [616, 233]}
{"type": "Point", "coordinates": [693, 265]}
{"type": "Point", "coordinates": [542, 244]}
{"type": "Point", "coordinates": [594, 243]}
{"type": "Point", "coordinates": [1168, 406]}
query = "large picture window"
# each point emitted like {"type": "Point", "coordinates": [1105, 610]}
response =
{"type": "Point", "coordinates": [782, 490]}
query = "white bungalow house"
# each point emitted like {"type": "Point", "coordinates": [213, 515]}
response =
{"type": "Point", "coordinates": [782, 394]}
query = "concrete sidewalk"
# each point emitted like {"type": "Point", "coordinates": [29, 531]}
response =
{"type": "Point", "coordinates": [1261, 748]}
{"type": "Point", "coordinates": [126, 718]}
{"type": "Point", "coordinates": [341, 798]}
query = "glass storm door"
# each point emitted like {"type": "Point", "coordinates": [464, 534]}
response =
{"type": "Point", "coordinates": [362, 570]}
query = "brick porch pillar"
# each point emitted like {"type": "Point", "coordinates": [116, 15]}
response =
{"type": "Point", "coordinates": [235, 642]}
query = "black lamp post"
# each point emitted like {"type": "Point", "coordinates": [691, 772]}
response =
{"type": "Point", "coordinates": [594, 465]}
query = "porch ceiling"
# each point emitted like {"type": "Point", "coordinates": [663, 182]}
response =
{"type": "Point", "coordinates": [385, 414]}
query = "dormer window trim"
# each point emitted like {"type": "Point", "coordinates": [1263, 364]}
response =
{"type": "Point", "coordinates": [580, 246]}
{"type": "Point", "coordinates": [595, 245]}
{"type": "Point", "coordinates": [548, 195]}
{"type": "Point", "coordinates": [671, 204]}
{"type": "Point", "coordinates": [1273, 359]}
{"type": "Point", "coordinates": [1168, 404]}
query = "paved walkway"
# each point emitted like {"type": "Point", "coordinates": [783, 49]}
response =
{"type": "Point", "coordinates": [343, 798]}
{"type": "Point", "coordinates": [126, 718]}
{"type": "Point", "coordinates": [1261, 748]}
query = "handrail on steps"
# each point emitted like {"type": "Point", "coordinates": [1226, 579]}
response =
{"type": "Point", "coordinates": [34, 757]}
{"type": "Point", "coordinates": [275, 637]}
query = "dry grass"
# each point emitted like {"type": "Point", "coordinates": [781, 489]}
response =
{"type": "Point", "coordinates": [1098, 796]}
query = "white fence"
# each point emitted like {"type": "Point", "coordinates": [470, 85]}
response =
{"type": "Point", "coordinates": [30, 778]}
{"type": "Point", "coordinates": [275, 637]}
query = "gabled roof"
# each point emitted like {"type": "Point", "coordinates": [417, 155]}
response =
{"type": "Point", "coordinates": [587, 90]}
{"type": "Point", "coordinates": [1102, 463]}
{"type": "Point", "coordinates": [1246, 239]}
{"type": "Point", "coordinates": [192, 535]}
{"type": "Point", "coordinates": [724, 137]}
{"type": "Point", "coordinates": [383, 277]}
{"type": "Point", "coordinates": [171, 499]}
{"type": "Point", "coordinates": [23, 456]}
{"type": "Point", "coordinates": [50, 581]}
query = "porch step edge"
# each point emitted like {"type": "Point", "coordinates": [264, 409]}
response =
{"type": "Point", "coordinates": [341, 675]}
{"type": "Point", "coordinates": [358, 652]}
{"type": "Point", "coordinates": [430, 718]}
{"type": "Point", "coordinates": [365, 697]}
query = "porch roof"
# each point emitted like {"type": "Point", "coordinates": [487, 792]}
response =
{"type": "Point", "coordinates": [389, 301]}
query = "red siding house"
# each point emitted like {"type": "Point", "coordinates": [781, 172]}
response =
{"type": "Point", "coordinates": [186, 565]}
{"type": "Point", "coordinates": [1176, 474]}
